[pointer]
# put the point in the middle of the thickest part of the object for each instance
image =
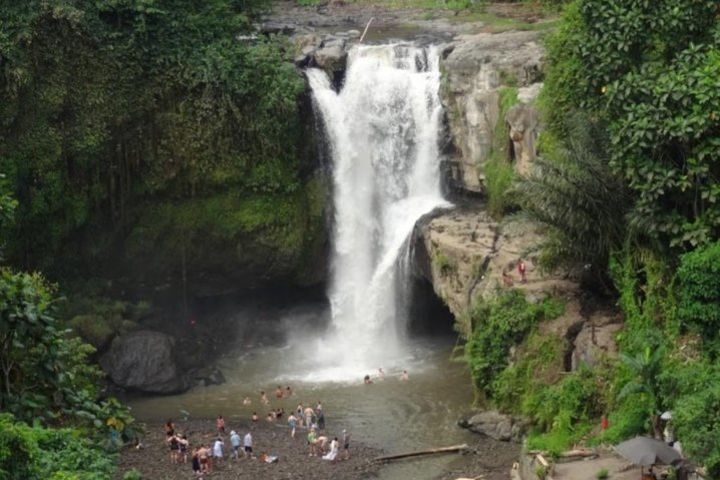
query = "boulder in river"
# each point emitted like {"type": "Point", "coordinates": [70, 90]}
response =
{"type": "Point", "coordinates": [207, 376]}
{"type": "Point", "coordinates": [495, 425]}
{"type": "Point", "coordinates": [331, 59]}
{"type": "Point", "coordinates": [144, 361]}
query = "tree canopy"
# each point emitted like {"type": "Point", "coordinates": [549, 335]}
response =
{"type": "Point", "coordinates": [106, 103]}
{"type": "Point", "coordinates": [651, 69]}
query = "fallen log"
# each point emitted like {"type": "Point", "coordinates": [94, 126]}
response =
{"type": "Point", "coordinates": [567, 454]}
{"type": "Point", "coordinates": [578, 453]}
{"type": "Point", "coordinates": [397, 456]}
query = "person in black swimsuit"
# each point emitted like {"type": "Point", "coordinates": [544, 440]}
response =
{"type": "Point", "coordinates": [174, 448]}
{"type": "Point", "coordinates": [196, 461]}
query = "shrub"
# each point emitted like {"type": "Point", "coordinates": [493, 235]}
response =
{"type": "Point", "coordinates": [626, 420]}
{"type": "Point", "coordinates": [699, 277]}
{"type": "Point", "coordinates": [498, 325]}
{"type": "Point", "coordinates": [697, 422]}
{"type": "Point", "coordinates": [650, 69]}
{"type": "Point", "coordinates": [498, 170]}
{"type": "Point", "coordinates": [573, 193]}
{"type": "Point", "coordinates": [602, 474]}
{"type": "Point", "coordinates": [132, 475]}
{"type": "Point", "coordinates": [37, 453]}
{"type": "Point", "coordinates": [537, 365]}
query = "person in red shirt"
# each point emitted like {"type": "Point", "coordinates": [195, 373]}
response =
{"type": "Point", "coordinates": [521, 270]}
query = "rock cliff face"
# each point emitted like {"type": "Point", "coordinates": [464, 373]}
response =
{"type": "Point", "coordinates": [463, 253]}
{"type": "Point", "coordinates": [475, 68]}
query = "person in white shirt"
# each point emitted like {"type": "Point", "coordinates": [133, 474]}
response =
{"type": "Point", "coordinates": [218, 448]}
{"type": "Point", "coordinates": [334, 447]}
{"type": "Point", "coordinates": [248, 443]}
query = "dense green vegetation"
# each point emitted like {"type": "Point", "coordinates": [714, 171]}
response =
{"type": "Point", "coordinates": [129, 128]}
{"type": "Point", "coordinates": [627, 185]}
{"type": "Point", "coordinates": [57, 454]}
{"type": "Point", "coordinates": [498, 325]}
{"type": "Point", "coordinates": [138, 138]}
{"type": "Point", "coordinates": [498, 170]}
{"type": "Point", "coordinates": [48, 380]}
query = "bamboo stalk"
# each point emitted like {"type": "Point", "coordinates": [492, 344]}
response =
{"type": "Point", "coordinates": [366, 28]}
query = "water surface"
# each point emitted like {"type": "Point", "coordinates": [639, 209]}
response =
{"type": "Point", "coordinates": [392, 415]}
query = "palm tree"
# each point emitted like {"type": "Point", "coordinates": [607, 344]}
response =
{"type": "Point", "coordinates": [646, 368]}
{"type": "Point", "coordinates": [574, 193]}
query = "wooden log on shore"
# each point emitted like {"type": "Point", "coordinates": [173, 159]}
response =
{"type": "Point", "coordinates": [567, 454]}
{"type": "Point", "coordinates": [431, 451]}
{"type": "Point", "coordinates": [578, 453]}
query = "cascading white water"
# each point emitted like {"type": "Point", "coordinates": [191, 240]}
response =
{"type": "Point", "coordinates": [382, 130]}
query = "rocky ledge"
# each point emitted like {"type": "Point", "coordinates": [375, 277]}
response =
{"type": "Point", "coordinates": [475, 69]}
{"type": "Point", "coordinates": [463, 253]}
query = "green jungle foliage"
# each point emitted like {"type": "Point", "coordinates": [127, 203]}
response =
{"type": "Point", "coordinates": [48, 380]}
{"type": "Point", "coordinates": [47, 376]}
{"type": "Point", "coordinates": [652, 70]}
{"type": "Point", "coordinates": [498, 325]}
{"type": "Point", "coordinates": [110, 106]}
{"type": "Point", "coordinates": [498, 170]}
{"type": "Point", "coordinates": [699, 278]}
{"type": "Point", "coordinates": [574, 194]}
{"type": "Point", "coordinates": [627, 183]}
{"type": "Point", "coordinates": [37, 453]}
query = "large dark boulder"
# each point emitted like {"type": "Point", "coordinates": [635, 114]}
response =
{"type": "Point", "coordinates": [144, 361]}
{"type": "Point", "coordinates": [495, 425]}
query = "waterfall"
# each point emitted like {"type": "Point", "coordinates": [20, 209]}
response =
{"type": "Point", "coordinates": [382, 129]}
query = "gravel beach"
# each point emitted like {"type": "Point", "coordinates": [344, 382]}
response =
{"type": "Point", "coordinates": [153, 462]}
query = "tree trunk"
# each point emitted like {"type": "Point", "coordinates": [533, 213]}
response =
{"type": "Point", "coordinates": [454, 448]}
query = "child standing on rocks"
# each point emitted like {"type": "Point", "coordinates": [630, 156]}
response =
{"type": "Point", "coordinates": [220, 424]}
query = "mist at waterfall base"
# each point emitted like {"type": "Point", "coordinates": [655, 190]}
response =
{"type": "Point", "coordinates": [382, 132]}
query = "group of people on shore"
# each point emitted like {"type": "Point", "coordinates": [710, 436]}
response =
{"type": "Point", "coordinates": [202, 457]}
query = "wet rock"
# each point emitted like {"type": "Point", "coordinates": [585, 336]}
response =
{"type": "Point", "coordinates": [495, 425]}
{"type": "Point", "coordinates": [331, 59]}
{"type": "Point", "coordinates": [309, 40]}
{"type": "Point", "coordinates": [144, 361]}
{"type": "Point", "coordinates": [334, 41]}
{"type": "Point", "coordinates": [596, 340]}
{"type": "Point", "coordinates": [476, 67]}
{"type": "Point", "coordinates": [464, 252]}
{"type": "Point", "coordinates": [208, 376]}
{"type": "Point", "coordinates": [523, 124]}
{"type": "Point", "coordinates": [277, 28]}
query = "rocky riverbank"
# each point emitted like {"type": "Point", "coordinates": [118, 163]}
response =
{"type": "Point", "coordinates": [153, 462]}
